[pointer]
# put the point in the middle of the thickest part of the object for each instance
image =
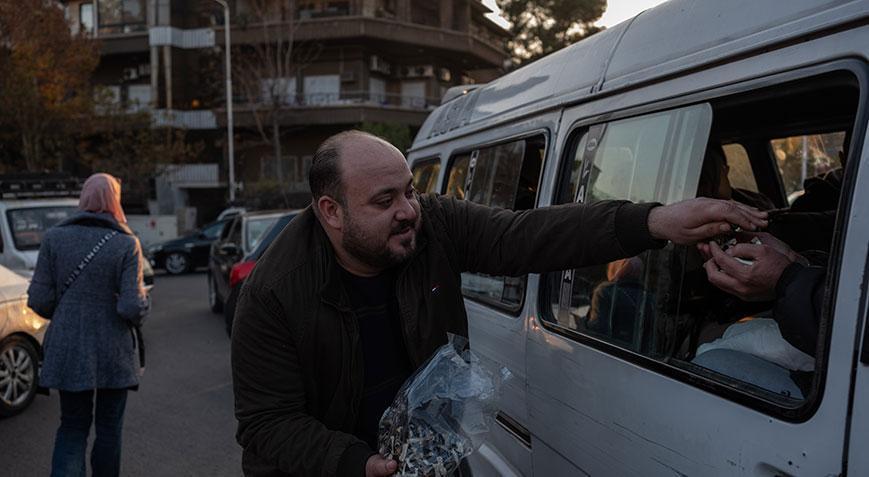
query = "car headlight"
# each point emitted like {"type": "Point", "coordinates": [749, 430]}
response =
{"type": "Point", "coordinates": [154, 249]}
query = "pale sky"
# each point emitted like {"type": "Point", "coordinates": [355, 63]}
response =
{"type": "Point", "coordinates": [617, 11]}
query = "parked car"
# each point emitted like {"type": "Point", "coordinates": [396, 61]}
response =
{"type": "Point", "coordinates": [230, 212]}
{"type": "Point", "coordinates": [242, 269]}
{"type": "Point", "coordinates": [629, 113]}
{"type": "Point", "coordinates": [184, 254]}
{"type": "Point", "coordinates": [239, 238]}
{"type": "Point", "coordinates": [21, 332]}
{"type": "Point", "coordinates": [30, 204]}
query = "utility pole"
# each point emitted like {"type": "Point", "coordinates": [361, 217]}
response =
{"type": "Point", "coordinates": [227, 46]}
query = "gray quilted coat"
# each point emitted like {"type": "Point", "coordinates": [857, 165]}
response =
{"type": "Point", "coordinates": [89, 343]}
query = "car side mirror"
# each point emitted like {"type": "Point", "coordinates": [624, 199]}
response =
{"type": "Point", "coordinates": [229, 249]}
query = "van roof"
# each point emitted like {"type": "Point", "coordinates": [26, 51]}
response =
{"type": "Point", "coordinates": [674, 37]}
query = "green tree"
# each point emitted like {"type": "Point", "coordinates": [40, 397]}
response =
{"type": "Point", "coordinates": [398, 135]}
{"type": "Point", "coordinates": [540, 27]}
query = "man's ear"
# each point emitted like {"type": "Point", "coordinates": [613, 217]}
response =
{"type": "Point", "coordinates": [330, 211]}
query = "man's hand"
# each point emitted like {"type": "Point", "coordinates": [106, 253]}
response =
{"type": "Point", "coordinates": [755, 282]}
{"type": "Point", "coordinates": [378, 466]}
{"type": "Point", "coordinates": [694, 220]}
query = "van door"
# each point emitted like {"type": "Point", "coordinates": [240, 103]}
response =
{"type": "Point", "coordinates": [858, 267]}
{"type": "Point", "coordinates": [502, 172]}
{"type": "Point", "coordinates": [619, 382]}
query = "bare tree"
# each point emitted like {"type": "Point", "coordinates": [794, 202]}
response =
{"type": "Point", "coordinates": [265, 70]}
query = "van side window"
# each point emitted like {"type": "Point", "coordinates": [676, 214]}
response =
{"type": "Point", "coordinates": [425, 175]}
{"type": "Point", "coordinates": [754, 148]}
{"type": "Point", "coordinates": [571, 170]}
{"type": "Point", "coordinates": [650, 158]}
{"type": "Point", "coordinates": [458, 175]}
{"type": "Point", "coordinates": [801, 157]}
{"type": "Point", "coordinates": [504, 175]}
{"type": "Point", "coordinates": [739, 171]}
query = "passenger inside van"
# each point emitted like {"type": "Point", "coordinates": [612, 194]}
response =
{"type": "Point", "coordinates": [621, 302]}
{"type": "Point", "coordinates": [715, 184]}
{"type": "Point", "coordinates": [775, 348]}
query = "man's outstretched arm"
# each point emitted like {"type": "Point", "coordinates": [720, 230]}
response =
{"type": "Point", "coordinates": [503, 242]}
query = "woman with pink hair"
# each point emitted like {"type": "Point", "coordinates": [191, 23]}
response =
{"type": "Point", "coordinates": [88, 282]}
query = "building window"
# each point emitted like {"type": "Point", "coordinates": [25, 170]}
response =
{"type": "Point", "coordinates": [425, 12]}
{"type": "Point", "coordinates": [86, 18]}
{"type": "Point", "coordinates": [322, 89]}
{"type": "Point", "coordinates": [413, 94]}
{"type": "Point", "coordinates": [122, 16]}
{"type": "Point", "coordinates": [278, 90]}
{"type": "Point", "coordinates": [377, 90]}
{"type": "Point", "coordinates": [138, 97]}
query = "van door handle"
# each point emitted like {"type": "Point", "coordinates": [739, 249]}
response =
{"type": "Point", "coordinates": [514, 428]}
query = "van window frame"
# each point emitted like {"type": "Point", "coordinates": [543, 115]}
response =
{"type": "Point", "coordinates": [709, 381]}
{"type": "Point", "coordinates": [512, 310]}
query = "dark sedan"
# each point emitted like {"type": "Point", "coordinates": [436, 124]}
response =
{"type": "Point", "coordinates": [242, 269]}
{"type": "Point", "coordinates": [186, 253]}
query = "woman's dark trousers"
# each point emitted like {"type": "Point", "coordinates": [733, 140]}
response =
{"type": "Point", "coordinates": [77, 412]}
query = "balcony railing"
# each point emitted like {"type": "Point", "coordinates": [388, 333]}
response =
{"type": "Point", "coordinates": [199, 119]}
{"type": "Point", "coordinates": [346, 98]}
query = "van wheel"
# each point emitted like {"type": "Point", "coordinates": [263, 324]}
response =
{"type": "Point", "coordinates": [214, 301]}
{"type": "Point", "coordinates": [176, 263]}
{"type": "Point", "coordinates": [18, 375]}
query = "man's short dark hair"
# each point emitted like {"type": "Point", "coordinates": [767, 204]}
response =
{"type": "Point", "coordinates": [324, 177]}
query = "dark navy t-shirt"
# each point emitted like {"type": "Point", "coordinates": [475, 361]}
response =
{"type": "Point", "coordinates": [385, 357]}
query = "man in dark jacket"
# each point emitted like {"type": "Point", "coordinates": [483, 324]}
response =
{"type": "Point", "coordinates": [363, 286]}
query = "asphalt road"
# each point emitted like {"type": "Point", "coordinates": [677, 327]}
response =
{"type": "Point", "coordinates": [180, 421]}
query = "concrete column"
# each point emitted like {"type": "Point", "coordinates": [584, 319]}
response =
{"type": "Point", "coordinates": [167, 70]}
{"type": "Point", "coordinates": [447, 14]}
{"type": "Point", "coordinates": [155, 57]}
{"type": "Point", "coordinates": [403, 12]}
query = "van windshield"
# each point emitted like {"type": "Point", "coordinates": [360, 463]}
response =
{"type": "Point", "coordinates": [29, 225]}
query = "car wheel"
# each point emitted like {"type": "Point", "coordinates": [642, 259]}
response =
{"type": "Point", "coordinates": [214, 301]}
{"type": "Point", "coordinates": [177, 263]}
{"type": "Point", "coordinates": [229, 309]}
{"type": "Point", "coordinates": [18, 375]}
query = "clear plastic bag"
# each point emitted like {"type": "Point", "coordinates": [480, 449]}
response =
{"type": "Point", "coordinates": [441, 413]}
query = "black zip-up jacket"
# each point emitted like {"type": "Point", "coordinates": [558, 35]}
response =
{"type": "Point", "coordinates": [296, 358]}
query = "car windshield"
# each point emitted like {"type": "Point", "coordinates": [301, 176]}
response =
{"type": "Point", "coordinates": [212, 231]}
{"type": "Point", "coordinates": [256, 227]}
{"type": "Point", "coordinates": [269, 236]}
{"type": "Point", "coordinates": [29, 225]}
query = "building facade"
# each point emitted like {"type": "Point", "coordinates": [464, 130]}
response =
{"type": "Point", "coordinates": [301, 70]}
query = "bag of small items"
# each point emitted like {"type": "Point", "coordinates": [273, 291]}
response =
{"type": "Point", "coordinates": [441, 413]}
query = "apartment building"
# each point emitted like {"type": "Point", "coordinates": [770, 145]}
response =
{"type": "Point", "coordinates": [354, 61]}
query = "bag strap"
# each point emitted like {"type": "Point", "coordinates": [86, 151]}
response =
{"type": "Point", "coordinates": [85, 261]}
